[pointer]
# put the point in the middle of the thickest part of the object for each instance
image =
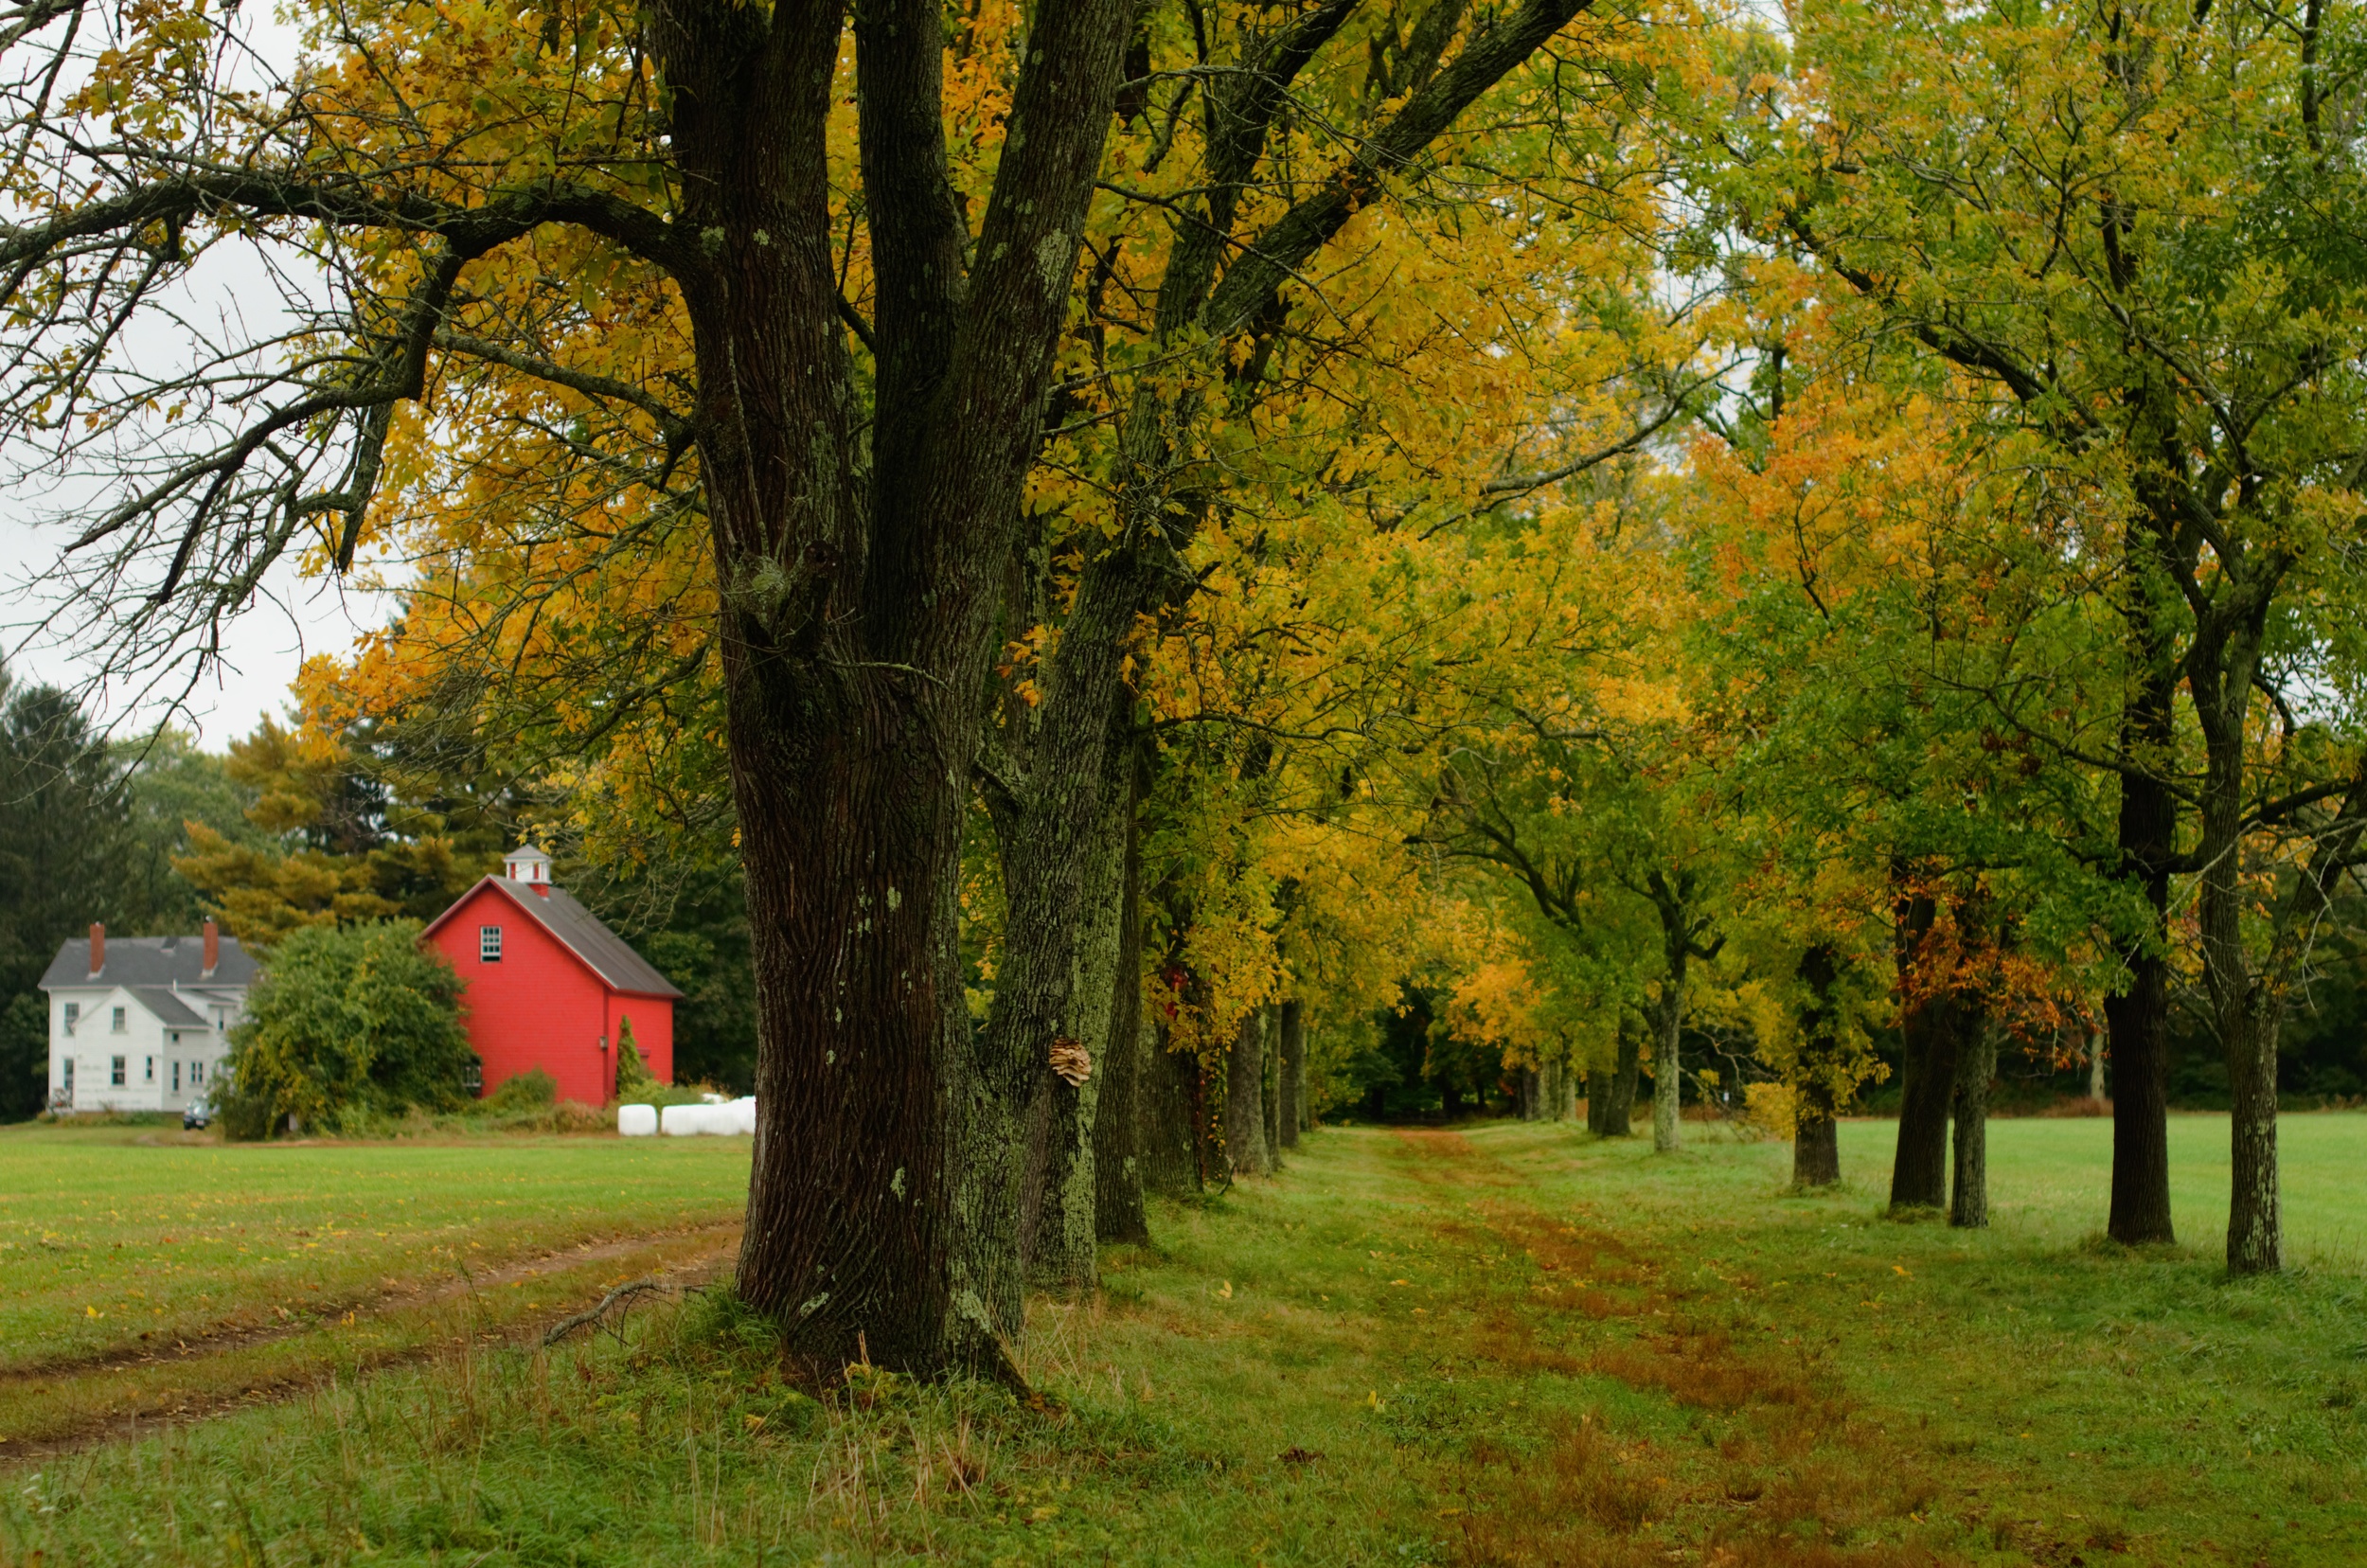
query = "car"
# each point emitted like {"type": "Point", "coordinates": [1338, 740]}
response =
{"type": "Point", "coordinates": [197, 1115]}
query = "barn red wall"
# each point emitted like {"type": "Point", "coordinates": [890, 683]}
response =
{"type": "Point", "coordinates": [540, 1007]}
{"type": "Point", "coordinates": [653, 1029]}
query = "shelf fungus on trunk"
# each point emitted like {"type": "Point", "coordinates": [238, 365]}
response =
{"type": "Point", "coordinates": [1071, 1060]}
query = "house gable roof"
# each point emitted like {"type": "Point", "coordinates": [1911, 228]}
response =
{"type": "Point", "coordinates": [168, 1008]}
{"type": "Point", "coordinates": [136, 961]}
{"type": "Point", "coordinates": [576, 929]}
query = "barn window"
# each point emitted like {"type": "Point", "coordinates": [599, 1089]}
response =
{"type": "Point", "coordinates": [116, 1078]}
{"type": "Point", "coordinates": [489, 944]}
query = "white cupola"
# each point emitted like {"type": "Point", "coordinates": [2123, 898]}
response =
{"type": "Point", "coordinates": [529, 865]}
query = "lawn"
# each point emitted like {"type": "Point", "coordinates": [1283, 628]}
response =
{"type": "Point", "coordinates": [115, 1239]}
{"type": "Point", "coordinates": [1508, 1344]}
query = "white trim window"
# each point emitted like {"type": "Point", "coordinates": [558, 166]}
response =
{"type": "Point", "coordinates": [116, 1073]}
{"type": "Point", "coordinates": [176, 1078]}
{"type": "Point", "coordinates": [197, 1074]}
{"type": "Point", "coordinates": [73, 1016]}
{"type": "Point", "coordinates": [151, 1076]}
{"type": "Point", "coordinates": [122, 1023]}
{"type": "Point", "coordinates": [489, 944]}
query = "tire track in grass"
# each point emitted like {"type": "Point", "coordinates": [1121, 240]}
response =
{"type": "Point", "coordinates": [68, 1407]}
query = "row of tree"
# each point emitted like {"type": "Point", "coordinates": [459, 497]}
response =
{"type": "Point", "coordinates": [1130, 530]}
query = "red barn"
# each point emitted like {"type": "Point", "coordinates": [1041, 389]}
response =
{"type": "Point", "coordinates": [549, 986]}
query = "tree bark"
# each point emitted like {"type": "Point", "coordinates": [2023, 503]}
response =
{"type": "Point", "coordinates": [1269, 1088]}
{"type": "Point", "coordinates": [1293, 1076]}
{"type": "Point", "coordinates": [1118, 1211]}
{"type": "Point", "coordinates": [856, 629]}
{"type": "Point", "coordinates": [1611, 1095]}
{"type": "Point", "coordinates": [1059, 1199]}
{"type": "Point", "coordinates": [1244, 1107]}
{"type": "Point", "coordinates": [1815, 1147]}
{"type": "Point", "coordinates": [1969, 1193]}
{"type": "Point", "coordinates": [2137, 1018]}
{"type": "Point", "coordinates": [1816, 1133]}
{"type": "Point", "coordinates": [1928, 1078]}
{"type": "Point", "coordinates": [2095, 1067]}
{"type": "Point", "coordinates": [1171, 1152]}
{"type": "Point", "coordinates": [1667, 1074]}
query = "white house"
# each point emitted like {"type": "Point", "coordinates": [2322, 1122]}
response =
{"type": "Point", "coordinates": [141, 1022]}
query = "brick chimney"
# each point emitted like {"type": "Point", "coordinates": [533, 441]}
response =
{"type": "Point", "coordinates": [213, 950]}
{"type": "Point", "coordinates": [97, 947]}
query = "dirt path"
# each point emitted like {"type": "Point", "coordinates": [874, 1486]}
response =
{"type": "Point", "coordinates": [63, 1406]}
{"type": "Point", "coordinates": [1784, 1462]}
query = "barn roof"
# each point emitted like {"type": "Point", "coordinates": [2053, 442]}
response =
{"type": "Point", "coordinates": [580, 930]}
{"type": "Point", "coordinates": [136, 961]}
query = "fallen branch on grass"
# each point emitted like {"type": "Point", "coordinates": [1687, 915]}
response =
{"type": "Point", "coordinates": [592, 1315]}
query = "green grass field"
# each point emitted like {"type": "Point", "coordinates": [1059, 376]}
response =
{"type": "Point", "coordinates": [1508, 1345]}
{"type": "Point", "coordinates": [112, 1237]}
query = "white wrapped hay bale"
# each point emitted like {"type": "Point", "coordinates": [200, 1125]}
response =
{"type": "Point", "coordinates": [685, 1121]}
{"type": "Point", "coordinates": [743, 1112]}
{"type": "Point", "coordinates": [637, 1121]}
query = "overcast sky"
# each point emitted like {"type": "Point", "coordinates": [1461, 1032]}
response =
{"type": "Point", "coordinates": [293, 617]}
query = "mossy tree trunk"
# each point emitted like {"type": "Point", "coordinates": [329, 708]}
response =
{"type": "Point", "coordinates": [1244, 1102]}
{"type": "Point", "coordinates": [1293, 1076]}
{"type": "Point", "coordinates": [1119, 1120]}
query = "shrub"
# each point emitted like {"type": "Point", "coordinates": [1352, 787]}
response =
{"type": "Point", "coordinates": [529, 1091]}
{"type": "Point", "coordinates": [634, 1081]}
{"type": "Point", "coordinates": [351, 1020]}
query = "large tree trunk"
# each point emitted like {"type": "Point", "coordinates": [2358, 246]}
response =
{"type": "Point", "coordinates": [1293, 1074]}
{"type": "Point", "coordinates": [1244, 1105]}
{"type": "Point", "coordinates": [1968, 1194]}
{"type": "Point", "coordinates": [1171, 1152]}
{"type": "Point", "coordinates": [1816, 1133]}
{"type": "Point", "coordinates": [1057, 1199]}
{"type": "Point", "coordinates": [2137, 1018]}
{"type": "Point", "coordinates": [1927, 1077]}
{"type": "Point", "coordinates": [2220, 668]}
{"type": "Point", "coordinates": [1118, 1212]}
{"type": "Point", "coordinates": [2095, 1067]}
{"type": "Point", "coordinates": [1611, 1095]}
{"type": "Point", "coordinates": [1269, 1084]}
{"type": "Point", "coordinates": [856, 627]}
{"type": "Point", "coordinates": [1815, 1146]}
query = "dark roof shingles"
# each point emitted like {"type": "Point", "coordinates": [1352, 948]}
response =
{"type": "Point", "coordinates": [162, 961]}
{"type": "Point", "coordinates": [610, 955]}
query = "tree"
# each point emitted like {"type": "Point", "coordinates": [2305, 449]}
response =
{"type": "Point", "coordinates": [65, 847]}
{"type": "Point", "coordinates": [348, 1019]}
{"type": "Point", "coordinates": [1951, 169]}
{"type": "Point", "coordinates": [863, 497]}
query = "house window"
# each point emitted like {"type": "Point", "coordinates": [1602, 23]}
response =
{"type": "Point", "coordinates": [489, 944]}
{"type": "Point", "coordinates": [116, 1078]}
{"type": "Point", "coordinates": [119, 1023]}
{"type": "Point", "coordinates": [73, 1015]}
{"type": "Point", "coordinates": [197, 1072]}
{"type": "Point", "coordinates": [151, 1076]}
{"type": "Point", "coordinates": [176, 1076]}
{"type": "Point", "coordinates": [68, 1064]}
